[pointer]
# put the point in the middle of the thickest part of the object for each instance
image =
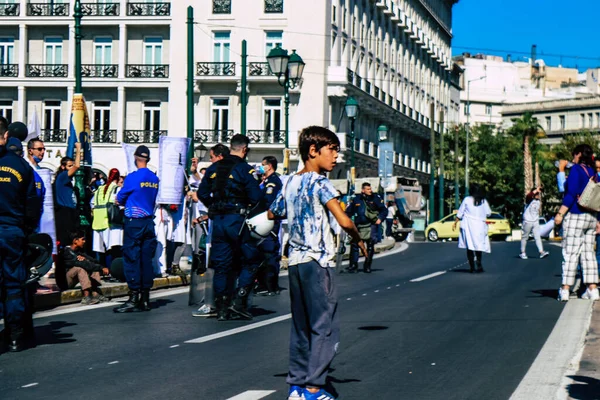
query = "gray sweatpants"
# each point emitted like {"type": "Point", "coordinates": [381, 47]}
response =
{"type": "Point", "coordinates": [528, 227]}
{"type": "Point", "coordinates": [315, 333]}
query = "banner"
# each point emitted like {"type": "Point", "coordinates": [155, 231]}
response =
{"type": "Point", "coordinates": [129, 150]}
{"type": "Point", "coordinates": [47, 221]}
{"type": "Point", "coordinates": [79, 130]}
{"type": "Point", "coordinates": [172, 152]}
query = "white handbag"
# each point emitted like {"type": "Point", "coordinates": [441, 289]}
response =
{"type": "Point", "coordinates": [590, 198]}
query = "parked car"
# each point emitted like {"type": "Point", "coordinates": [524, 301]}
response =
{"type": "Point", "coordinates": [498, 228]}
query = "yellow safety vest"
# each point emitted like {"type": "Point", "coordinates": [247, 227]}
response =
{"type": "Point", "coordinates": [100, 211]}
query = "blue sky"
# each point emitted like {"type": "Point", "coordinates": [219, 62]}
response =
{"type": "Point", "coordinates": [567, 28]}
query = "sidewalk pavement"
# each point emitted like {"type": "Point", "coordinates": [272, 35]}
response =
{"type": "Point", "coordinates": [50, 295]}
{"type": "Point", "coordinates": [585, 384]}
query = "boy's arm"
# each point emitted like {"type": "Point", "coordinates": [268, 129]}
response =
{"type": "Point", "coordinates": [346, 223]}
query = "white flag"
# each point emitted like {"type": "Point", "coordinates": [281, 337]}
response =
{"type": "Point", "coordinates": [34, 126]}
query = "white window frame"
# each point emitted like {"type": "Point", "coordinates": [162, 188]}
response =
{"type": "Point", "coordinates": [55, 109]}
{"type": "Point", "coordinates": [563, 122]}
{"type": "Point", "coordinates": [488, 109]}
{"type": "Point", "coordinates": [549, 122]}
{"type": "Point", "coordinates": [6, 109]}
{"type": "Point", "coordinates": [271, 43]}
{"type": "Point", "coordinates": [7, 50]}
{"type": "Point", "coordinates": [221, 122]}
{"type": "Point", "coordinates": [582, 120]}
{"type": "Point", "coordinates": [48, 44]}
{"type": "Point", "coordinates": [104, 46]}
{"type": "Point", "coordinates": [150, 45]}
{"type": "Point", "coordinates": [224, 46]}
{"type": "Point", "coordinates": [269, 114]}
{"type": "Point", "coordinates": [154, 110]}
{"type": "Point", "coordinates": [103, 109]}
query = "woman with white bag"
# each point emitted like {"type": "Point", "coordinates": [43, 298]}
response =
{"type": "Point", "coordinates": [579, 229]}
{"type": "Point", "coordinates": [531, 223]}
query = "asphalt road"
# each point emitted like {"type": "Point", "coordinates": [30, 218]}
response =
{"type": "Point", "coordinates": [452, 335]}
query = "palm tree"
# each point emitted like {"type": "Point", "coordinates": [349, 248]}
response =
{"type": "Point", "coordinates": [529, 129]}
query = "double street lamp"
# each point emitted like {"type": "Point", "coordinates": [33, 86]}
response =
{"type": "Point", "coordinates": [352, 110]}
{"type": "Point", "coordinates": [290, 68]}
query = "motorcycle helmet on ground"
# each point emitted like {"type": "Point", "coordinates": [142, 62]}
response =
{"type": "Point", "coordinates": [260, 225]}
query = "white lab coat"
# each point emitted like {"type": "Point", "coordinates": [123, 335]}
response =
{"type": "Point", "coordinates": [473, 228]}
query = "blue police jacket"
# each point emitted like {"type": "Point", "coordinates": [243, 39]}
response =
{"type": "Point", "coordinates": [19, 202]}
{"type": "Point", "coordinates": [357, 206]}
{"type": "Point", "coordinates": [138, 194]}
{"type": "Point", "coordinates": [270, 187]}
{"type": "Point", "coordinates": [229, 185]}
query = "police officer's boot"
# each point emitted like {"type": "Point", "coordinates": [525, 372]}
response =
{"type": "Point", "coordinates": [222, 308]}
{"type": "Point", "coordinates": [352, 268]}
{"type": "Point", "coordinates": [131, 305]}
{"type": "Point", "coordinates": [240, 304]}
{"type": "Point", "coordinates": [144, 304]}
{"type": "Point", "coordinates": [16, 342]}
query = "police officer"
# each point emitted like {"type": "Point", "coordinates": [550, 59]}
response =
{"type": "Point", "coordinates": [270, 247]}
{"type": "Point", "coordinates": [138, 195]}
{"type": "Point", "coordinates": [230, 189]}
{"type": "Point", "coordinates": [20, 212]}
{"type": "Point", "coordinates": [368, 211]}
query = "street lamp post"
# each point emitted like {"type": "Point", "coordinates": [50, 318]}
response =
{"type": "Point", "coordinates": [352, 110]}
{"type": "Point", "coordinates": [290, 68]}
{"type": "Point", "coordinates": [469, 132]}
{"type": "Point", "coordinates": [200, 152]}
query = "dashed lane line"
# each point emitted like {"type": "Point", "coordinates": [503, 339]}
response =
{"type": "Point", "coordinates": [252, 395]}
{"type": "Point", "coordinates": [422, 278]}
{"type": "Point", "coordinates": [208, 338]}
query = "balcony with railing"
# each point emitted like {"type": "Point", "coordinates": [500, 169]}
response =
{"type": "Point", "coordinates": [104, 136]}
{"type": "Point", "coordinates": [100, 9]}
{"type": "Point", "coordinates": [10, 10]}
{"type": "Point", "coordinates": [100, 70]}
{"type": "Point", "coordinates": [215, 69]}
{"type": "Point", "coordinates": [143, 136]}
{"type": "Point", "coordinates": [147, 71]}
{"type": "Point", "coordinates": [9, 70]}
{"type": "Point", "coordinates": [213, 135]}
{"type": "Point", "coordinates": [54, 135]}
{"type": "Point", "coordinates": [149, 9]}
{"type": "Point", "coordinates": [47, 70]}
{"type": "Point", "coordinates": [48, 9]}
{"type": "Point", "coordinates": [259, 69]}
{"type": "Point", "coordinates": [266, 136]}
{"type": "Point", "coordinates": [273, 6]}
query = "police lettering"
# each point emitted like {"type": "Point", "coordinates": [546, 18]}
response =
{"type": "Point", "coordinates": [5, 180]}
{"type": "Point", "coordinates": [12, 171]}
{"type": "Point", "coordinates": [38, 185]}
{"type": "Point", "coordinates": [149, 185]}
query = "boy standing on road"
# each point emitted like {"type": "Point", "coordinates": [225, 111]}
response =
{"type": "Point", "coordinates": [308, 200]}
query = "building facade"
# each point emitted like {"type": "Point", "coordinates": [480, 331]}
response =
{"type": "Point", "coordinates": [394, 57]}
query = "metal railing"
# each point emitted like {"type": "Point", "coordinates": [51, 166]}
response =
{"type": "Point", "coordinates": [215, 69]}
{"type": "Point", "coordinates": [48, 9]}
{"type": "Point", "coordinates": [266, 136]}
{"type": "Point", "coordinates": [149, 9]}
{"type": "Point", "coordinates": [100, 70]}
{"type": "Point", "coordinates": [54, 135]}
{"type": "Point", "coordinates": [147, 71]}
{"type": "Point", "coordinates": [143, 136]}
{"type": "Point", "coordinates": [213, 135]}
{"type": "Point", "coordinates": [100, 9]}
{"type": "Point", "coordinates": [273, 6]}
{"type": "Point", "coordinates": [104, 136]}
{"type": "Point", "coordinates": [47, 70]}
{"type": "Point", "coordinates": [10, 10]}
{"type": "Point", "coordinates": [9, 70]}
{"type": "Point", "coordinates": [221, 6]}
{"type": "Point", "coordinates": [259, 69]}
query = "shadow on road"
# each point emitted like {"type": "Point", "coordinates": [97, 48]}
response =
{"type": "Point", "coordinates": [51, 333]}
{"type": "Point", "coordinates": [461, 270]}
{"type": "Point", "coordinates": [587, 388]}
{"type": "Point", "coordinates": [154, 304]}
{"type": "Point", "coordinates": [259, 312]}
{"type": "Point", "coordinates": [373, 328]}
{"type": "Point", "coordinates": [551, 293]}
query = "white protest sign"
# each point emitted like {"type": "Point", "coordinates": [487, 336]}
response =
{"type": "Point", "coordinates": [47, 221]}
{"type": "Point", "coordinates": [172, 153]}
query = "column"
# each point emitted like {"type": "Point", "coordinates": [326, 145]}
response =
{"type": "Point", "coordinates": [21, 104]}
{"type": "Point", "coordinates": [122, 47]}
{"type": "Point", "coordinates": [121, 114]}
{"type": "Point", "coordinates": [71, 51]}
{"type": "Point", "coordinates": [22, 48]}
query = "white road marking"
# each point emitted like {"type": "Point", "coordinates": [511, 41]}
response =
{"type": "Point", "coordinates": [377, 291]}
{"type": "Point", "coordinates": [174, 346]}
{"type": "Point", "coordinates": [364, 294]}
{"type": "Point", "coordinates": [349, 298]}
{"type": "Point", "coordinates": [389, 287]}
{"type": "Point", "coordinates": [113, 362]}
{"type": "Point", "coordinates": [208, 338]}
{"type": "Point", "coordinates": [30, 385]}
{"type": "Point", "coordinates": [428, 276]}
{"type": "Point", "coordinates": [559, 357]}
{"type": "Point", "coordinates": [252, 395]}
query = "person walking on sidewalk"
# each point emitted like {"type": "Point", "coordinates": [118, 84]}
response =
{"type": "Point", "coordinates": [368, 211]}
{"type": "Point", "coordinates": [579, 229]}
{"type": "Point", "coordinates": [531, 223]}
{"type": "Point", "coordinates": [138, 195]}
{"type": "Point", "coordinates": [309, 201]}
{"type": "Point", "coordinates": [472, 215]}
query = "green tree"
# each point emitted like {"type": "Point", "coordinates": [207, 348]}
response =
{"type": "Point", "coordinates": [528, 129]}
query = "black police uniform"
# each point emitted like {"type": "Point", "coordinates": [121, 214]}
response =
{"type": "Point", "coordinates": [230, 189]}
{"type": "Point", "coordinates": [20, 211]}
{"type": "Point", "coordinates": [270, 247]}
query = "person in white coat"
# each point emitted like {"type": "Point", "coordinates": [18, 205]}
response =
{"type": "Point", "coordinates": [473, 213]}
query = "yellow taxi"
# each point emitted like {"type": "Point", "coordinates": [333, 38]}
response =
{"type": "Point", "coordinates": [498, 228]}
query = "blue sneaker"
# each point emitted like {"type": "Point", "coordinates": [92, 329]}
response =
{"type": "Point", "coordinates": [296, 393]}
{"type": "Point", "coordinates": [320, 395]}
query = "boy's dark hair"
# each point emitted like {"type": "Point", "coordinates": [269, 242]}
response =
{"type": "Point", "coordinates": [587, 154]}
{"type": "Point", "coordinates": [3, 124]}
{"type": "Point", "coordinates": [319, 137]}
{"type": "Point", "coordinates": [76, 234]}
{"type": "Point", "coordinates": [366, 184]}
{"type": "Point", "coordinates": [272, 161]}
{"type": "Point", "coordinates": [220, 150]}
{"type": "Point", "coordinates": [32, 142]}
{"type": "Point", "coordinates": [238, 142]}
